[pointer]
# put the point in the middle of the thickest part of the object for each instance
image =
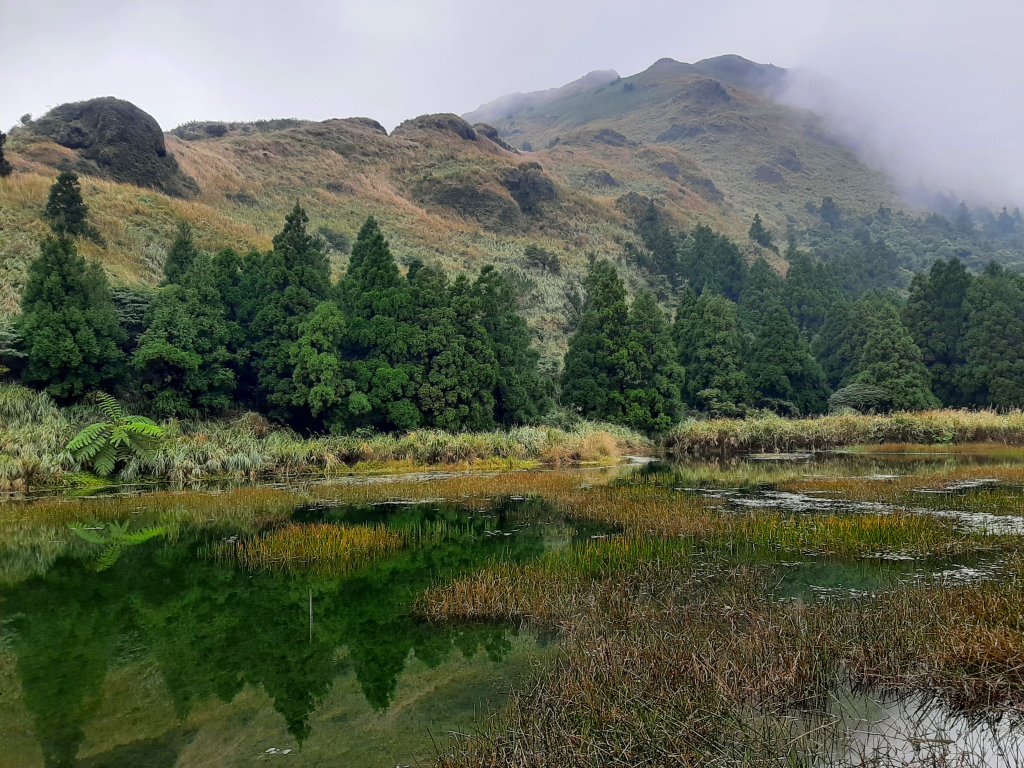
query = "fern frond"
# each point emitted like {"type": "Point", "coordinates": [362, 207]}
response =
{"type": "Point", "coordinates": [86, 438]}
{"type": "Point", "coordinates": [105, 460]}
{"type": "Point", "coordinates": [110, 407]}
{"type": "Point", "coordinates": [108, 557]}
{"type": "Point", "coordinates": [141, 537]}
{"type": "Point", "coordinates": [88, 534]}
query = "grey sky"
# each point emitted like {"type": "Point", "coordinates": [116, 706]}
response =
{"type": "Point", "coordinates": [920, 71]}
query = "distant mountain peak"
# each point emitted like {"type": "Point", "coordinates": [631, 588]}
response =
{"type": "Point", "coordinates": [505, 105]}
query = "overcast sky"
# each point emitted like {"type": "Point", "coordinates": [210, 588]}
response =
{"type": "Point", "coordinates": [923, 78]}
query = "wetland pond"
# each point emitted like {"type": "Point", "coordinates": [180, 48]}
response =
{"type": "Point", "coordinates": [280, 625]}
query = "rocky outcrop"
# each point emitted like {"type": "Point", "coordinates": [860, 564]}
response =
{"type": "Point", "coordinates": [116, 140]}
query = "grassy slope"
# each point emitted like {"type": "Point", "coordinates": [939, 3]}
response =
{"type": "Point", "coordinates": [728, 131]}
{"type": "Point", "coordinates": [343, 170]}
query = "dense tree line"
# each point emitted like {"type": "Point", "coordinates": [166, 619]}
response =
{"type": "Point", "coordinates": [831, 334]}
{"type": "Point", "coordinates": [270, 331]}
{"type": "Point", "coordinates": [383, 350]}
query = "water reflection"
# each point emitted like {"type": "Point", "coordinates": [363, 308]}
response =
{"type": "Point", "coordinates": [212, 630]}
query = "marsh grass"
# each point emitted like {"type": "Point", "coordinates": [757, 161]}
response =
{"type": "Point", "coordinates": [681, 664]}
{"type": "Point", "coordinates": [322, 547]}
{"type": "Point", "coordinates": [34, 431]}
{"type": "Point", "coordinates": [771, 434]}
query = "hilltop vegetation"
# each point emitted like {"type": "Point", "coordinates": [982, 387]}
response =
{"type": "Point", "coordinates": [639, 267]}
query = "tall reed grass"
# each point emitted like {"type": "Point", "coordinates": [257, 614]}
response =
{"type": "Point", "coordinates": [776, 434]}
{"type": "Point", "coordinates": [34, 431]}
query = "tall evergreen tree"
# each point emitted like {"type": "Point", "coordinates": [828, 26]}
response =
{"type": "Point", "coordinates": [69, 324]}
{"type": "Point", "coordinates": [384, 338]}
{"type": "Point", "coordinates": [281, 289]}
{"type": "Point", "coordinates": [323, 386]}
{"type": "Point", "coordinates": [712, 350]}
{"type": "Point", "coordinates": [763, 288]}
{"type": "Point", "coordinates": [66, 211]}
{"type": "Point", "coordinates": [651, 377]}
{"type": "Point", "coordinates": [759, 234]}
{"type": "Point", "coordinates": [519, 396]}
{"type": "Point", "coordinates": [181, 255]}
{"type": "Point", "coordinates": [993, 344]}
{"type": "Point", "coordinates": [712, 262]}
{"type": "Point", "coordinates": [811, 293]}
{"type": "Point", "coordinates": [936, 316]}
{"type": "Point", "coordinates": [782, 369]}
{"type": "Point", "coordinates": [459, 368]}
{"type": "Point", "coordinates": [891, 361]}
{"type": "Point", "coordinates": [592, 374]}
{"type": "Point", "coordinates": [184, 361]}
{"type": "Point", "coordinates": [5, 167]}
{"type": "Point", "coordinates": [660, 243]}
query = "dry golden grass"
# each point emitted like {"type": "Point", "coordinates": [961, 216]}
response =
{"type": "Point", "coordinates": [323, 547]}
{"type": "Point", "coordinates": [775, 434]}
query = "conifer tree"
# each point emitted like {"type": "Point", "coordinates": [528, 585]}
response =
{"type": "Point", "coordinates": [936, 316]}
{"type": "Point", "coordinates": [384, 338]}
{"type": "Point", "coordinates": [459, 366]}
{"type": "Point", "coordinates": [891, 361]}
{"type": "Point", "coordinates": [811, 293]}
{"type": "Point", "coordinates": [519, 394]}
{"type": "Point", "coordinates": [652, 378]}
{"type": "Point", "coordinates": [763, 288]}
{"type": "Point", "coordinates": [782, 369]}
{"type": "Point", "coordinates": [322, 383]}
{"type": "Point", "coordinates": [712, 349]}
{"type": "Point", "coordinates": [759, 234]}
{"type": "Point", "coordinates": [68, 325]}
{"type": "Point", "coordinates": [281, 289]}
{"type": "Point", "coordinates": [66, 211]}
{"type": "Point", "coordinates": [5, 167]}
{"type": "Point", "coordinates": [712, 262]}
{"type": "Point", "coordinates": [184, 361]}
{"type": "Point", "coordinates": [993, 373]}
{"type": "Point", "coordinates": [592, 374]}
{"type": "Point", "coordinates": [181, 255]}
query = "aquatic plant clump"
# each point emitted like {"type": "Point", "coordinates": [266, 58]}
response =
{"type": "Point", "coordinates": [320, 546]}
{"type": "Point", "coordinates": [713, 437]}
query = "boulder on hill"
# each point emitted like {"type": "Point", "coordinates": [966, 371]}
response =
{"type": "Point", "coordinates": [118, 141]}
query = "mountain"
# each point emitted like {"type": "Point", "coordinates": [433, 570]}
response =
{"type": "Point", "coordinates": [563, 172]}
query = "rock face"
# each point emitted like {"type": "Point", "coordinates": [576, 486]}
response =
{"type": "Point", "coordinates": [117, 140]}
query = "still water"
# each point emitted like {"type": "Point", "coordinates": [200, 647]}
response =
{"type": "Point", "coordinates": [164, 656]}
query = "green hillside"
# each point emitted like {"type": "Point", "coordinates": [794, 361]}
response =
{"type": "Point", "coordinates": [564, 176]}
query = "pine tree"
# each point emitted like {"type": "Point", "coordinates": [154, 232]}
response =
{"type": "Point", "coordinates": [519, 395]}
{"type": "Point", "coordinates": [460, 372]}
{"type": "Point", "coordinates": [936, 316]}
{"type": "Point", "coordinates": [891, 361]}
{"type": "Point", "coordinates": [811, 293]}
{"type": "Point", "coordinates": [712, 262]}
{"type": "Point", "coordinates": [660, 242]}
{"type": "Point", "coordinates": [5, 167]}
{"type": "Point", "coordinates": [181, 255]}
{"type": "Point", "coordinates": [830, 213]}
{"type": "Point", "coordinates": [712, 349]}
{"type": "Point", "coordinates": [385, 342]}
{"type": "Point", "coordinates": [592, 373]}
{"type": "Point", "coordinates": [759, 234]}
{"type": "Point", "coordinates": [281, 289]}
{"type": "Point", "coordinates": [66, 212]}
{"type": "Point", "coordinates": [838, 344]}
{"type": "Point", "coordinates": [782, 369]}
{"type": "Point", "coordinates": [763, 288]}
{"type": "Point", "coordinates": [322, 383]}
{"type": "Point", "coordinates": [993, 344]}
{"type": "Point", "coordinates": [183, 361]}
{"type": "Point", "coordinates": [69, 325]}
{"type": "Point", "coordinates": [651, 377]}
